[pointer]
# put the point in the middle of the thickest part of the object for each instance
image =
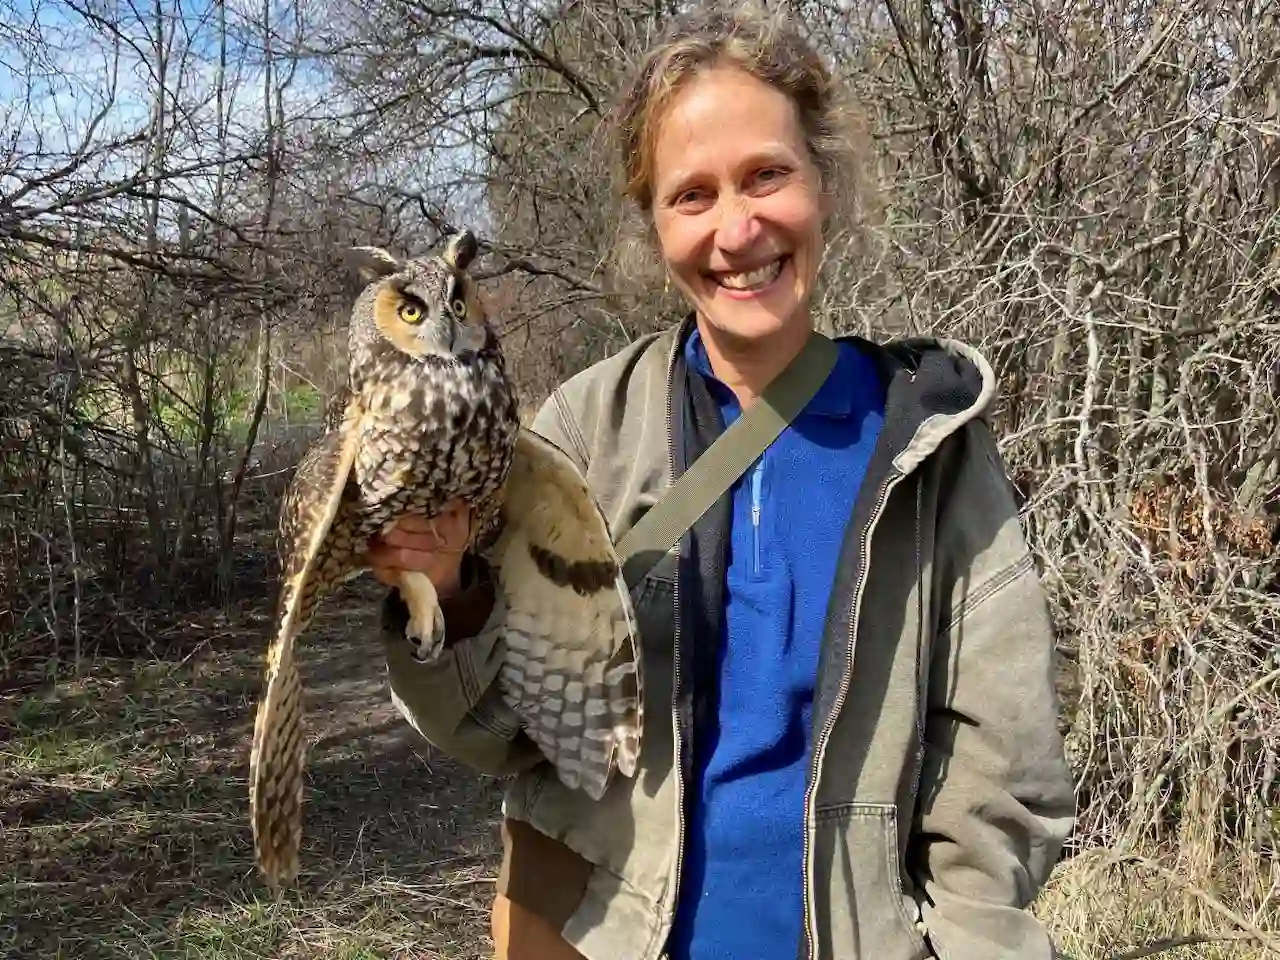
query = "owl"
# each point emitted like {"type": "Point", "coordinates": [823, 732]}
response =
{"type": "Point", "coordinates": [430, 414]}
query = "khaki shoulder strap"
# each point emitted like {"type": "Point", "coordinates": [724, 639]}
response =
{"type": "Point", "coordinates": [726, 460]}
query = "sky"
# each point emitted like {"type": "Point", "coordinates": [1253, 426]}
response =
{"type": "Point", "coordinates": [62, 62]}
{"type": "Point", "coordinates": [73, 55]}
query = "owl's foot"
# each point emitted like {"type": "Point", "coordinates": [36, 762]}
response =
{"type": "Point", "coordinates": [426, 620]}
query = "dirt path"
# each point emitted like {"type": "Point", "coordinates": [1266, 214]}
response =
{"type": "Point", "coordinates": [124, 802]}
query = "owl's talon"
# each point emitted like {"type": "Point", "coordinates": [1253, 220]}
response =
{"type": "Point", "coordinates": [426, 620]}
{"type": "Point", "coordinates": [427, 639]}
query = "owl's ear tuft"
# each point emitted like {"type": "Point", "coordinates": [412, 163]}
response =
{"type": "Point", "coordinates": [371, 263]}
{"type": "Point", "coordinates": [461, 249]}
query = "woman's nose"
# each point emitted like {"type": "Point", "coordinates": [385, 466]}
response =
{"type": "Point", "coordinates": [739, 227]}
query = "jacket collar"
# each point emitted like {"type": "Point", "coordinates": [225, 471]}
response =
{"type": "Point", "coordinates": [935, 385]}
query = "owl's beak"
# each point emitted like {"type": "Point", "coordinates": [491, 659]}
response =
{"type": "Point", "coordinates": [441, 333]}
{"type": "Point", "coordinates": [459, 337]}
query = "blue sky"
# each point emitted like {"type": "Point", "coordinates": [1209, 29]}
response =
{"type": "Point", "coordinates": [58, 69]}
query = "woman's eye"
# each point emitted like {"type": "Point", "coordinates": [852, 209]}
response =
{"type": "Point", "coordinates": [690, 198]}
{"type": "Point", "coordinates": [770, 175]}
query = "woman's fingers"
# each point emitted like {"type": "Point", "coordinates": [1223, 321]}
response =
{"type": "Point", "coordinates": [412, 523]}
{"type": "Point", "coordinates": [442, 569]}
{"type": "Point", "coordinates": [447, 532]}
{"type": "Point", "coordinates": [432, 546]}
{"type": "Point", "coordinates": [387, 576]}
{"type": "Point", "coordinates": [405, 558]}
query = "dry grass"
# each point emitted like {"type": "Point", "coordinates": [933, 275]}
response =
{"type": "Point", "coordinates": [125, 829]}
{"type": "Point", "coordinates": [1100, 907]}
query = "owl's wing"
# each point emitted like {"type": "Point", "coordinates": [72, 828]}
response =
{"type": "Point", "coordinates": [572, 665]}
{"type": "Point", "coordinates": [312, 560]}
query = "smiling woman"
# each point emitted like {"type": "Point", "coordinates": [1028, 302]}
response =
{"type": "Point", "coordinates": [731, 143]}
{"type": "Point", "coordinates": [738, 213]}
{"type": "Point", "coordinates": [791, 799]}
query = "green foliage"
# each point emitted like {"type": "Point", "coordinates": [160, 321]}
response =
{"type": "Point", "coordinates": [303, 402]}
{"type": "Point", "coordinates": [235, 405]}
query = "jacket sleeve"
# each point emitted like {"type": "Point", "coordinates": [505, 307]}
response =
{"type": "Point", "coordinates": [454, 702]}
{"type": "Point", "coordinates": [996, 796]}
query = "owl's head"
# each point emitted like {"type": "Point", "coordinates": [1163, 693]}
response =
{"type": "Point", "coordinates": [423, 307]}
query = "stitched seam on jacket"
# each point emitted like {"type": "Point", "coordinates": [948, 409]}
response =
{"type": "Point", "coordinates": [466, 671]}
{"type": "Point", "coordinates": [885, 813]}
{"type": "Point", "coordinates": [848, 809]}
{"type": "Point", "coordinates": [492, 723]}
{"type": "Point", "coordinates": [490, 718]}
{"type": "Point", "coordinates": [990, 588]}
{"type": "Point", "coordinates": [570, 425]}
{"type": "Point", "coordinates": [471, 689]}
{"type": "Point", "coordinates": [894, 868]}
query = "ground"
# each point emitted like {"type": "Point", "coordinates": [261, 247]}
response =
{"type": "Point", "coordinates": [124, 819]}
{"type": "Point", "coordinates": [124, 811]}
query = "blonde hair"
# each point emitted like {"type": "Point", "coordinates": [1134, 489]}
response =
{"type": "Point", "coordinates": [764, 45]}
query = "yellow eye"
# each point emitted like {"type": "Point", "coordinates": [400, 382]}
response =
{"type": "Point", "coordinates": [410, 312]}
{"type": "Point", "coordinates": [459, 309]}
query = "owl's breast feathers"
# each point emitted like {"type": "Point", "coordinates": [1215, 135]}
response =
{"type": "Point", "coordinates": [434, 430]}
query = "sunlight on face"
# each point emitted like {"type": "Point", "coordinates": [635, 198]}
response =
{"type": "Point", "coordinates": [737, 205]}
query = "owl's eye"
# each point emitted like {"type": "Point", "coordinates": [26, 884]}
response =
{"type": "Point", "coordinates": [459, 309]}
{"type": "Point", "coordinates": [410, 311]}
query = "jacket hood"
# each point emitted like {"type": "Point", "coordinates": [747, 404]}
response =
{"type": "Point", "coordinates": [935, 387]}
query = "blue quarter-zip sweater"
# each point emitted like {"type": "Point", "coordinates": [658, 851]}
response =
{"type": "Point", "coordinates": [741, 888]}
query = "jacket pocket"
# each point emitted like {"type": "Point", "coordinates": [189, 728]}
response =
{"type": "Point", "coordinates": [863, 912]}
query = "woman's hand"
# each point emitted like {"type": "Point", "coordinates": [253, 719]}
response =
{"type": "Point", "coordinates": [432, 547]}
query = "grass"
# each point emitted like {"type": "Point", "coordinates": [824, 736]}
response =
{"type": "Point", "coordinates": [123, 820]}
{"type": "Point", "coordinates": [1097, 908]}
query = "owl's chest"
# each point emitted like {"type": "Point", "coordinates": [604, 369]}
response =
{"type": "Point", "coordinates": [423, 450]}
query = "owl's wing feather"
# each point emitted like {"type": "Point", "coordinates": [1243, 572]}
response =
{"type": "Point", "coordinates": [572, 666]}
{"type": "Point", "coordinates": [315, 554]}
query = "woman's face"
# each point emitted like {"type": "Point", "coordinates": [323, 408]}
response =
{"type": "Point", "coordinates": [737, 204]}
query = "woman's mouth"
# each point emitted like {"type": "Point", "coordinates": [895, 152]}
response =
{"type": "Point", "coordinates": [750, 282]}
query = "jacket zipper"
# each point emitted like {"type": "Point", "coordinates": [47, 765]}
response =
{"type": "Point", "coordinates": [755, 511]}
{"type": "Point", "coordinates": [675, 684]}
{"type": "Point", "coordinates": [811, 933]}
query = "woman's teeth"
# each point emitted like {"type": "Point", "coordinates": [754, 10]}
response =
{"type": "Point", "coordinates": [753, 279]}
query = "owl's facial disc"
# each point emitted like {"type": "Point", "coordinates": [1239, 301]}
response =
{"type": "Point", "coordinates": [443, 325]}
{"type": "Point", "coordinates": [464, 308]}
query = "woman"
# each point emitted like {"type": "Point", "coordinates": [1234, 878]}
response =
{"type": "Point", "coordinates": [904, 802]}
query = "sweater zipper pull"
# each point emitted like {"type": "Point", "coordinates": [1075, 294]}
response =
{"type": "Point", "coordinates": [755, 510]}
